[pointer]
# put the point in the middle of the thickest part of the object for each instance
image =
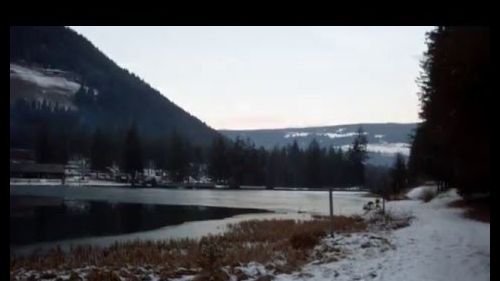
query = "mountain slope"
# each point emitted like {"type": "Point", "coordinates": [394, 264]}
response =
{"type": "Point", "coordinates": [384, 139]}
{"type": "Point", "coordinates": [101, 93]}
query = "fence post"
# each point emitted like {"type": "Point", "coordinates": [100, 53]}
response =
{"type": "Point", "coordinates": [331, 212]}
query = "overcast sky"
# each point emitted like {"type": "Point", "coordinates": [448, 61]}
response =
{"type": "Point", "coordinates": [275, 77]}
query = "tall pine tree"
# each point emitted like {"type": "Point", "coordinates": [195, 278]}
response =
{"type": "Point", "coordinates": [178, 158]}
{"type": "Point", "coordinates": [399, 175]}
{"type": "Point", "coordinates": [313, 164]}
{"type": "Point", "coordinates": [455, 97]}
{"type": "Point", "coordinates": [132, 154]}
{"type": "Point", "coordinates": [218, 164]}
{"type": "Point", "coordinates": [100, 152]}
{"type": "Point", "coordinates": [357, 158]}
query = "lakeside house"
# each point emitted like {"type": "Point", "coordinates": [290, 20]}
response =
{"type": "Point", "coordinates": [77, 168]}
{"type": "Point", "coordinates": [36, 170]}
{"type": "Point", "coordinates": [23, 165]}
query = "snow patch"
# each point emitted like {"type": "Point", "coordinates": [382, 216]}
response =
{"type": "Point", "coordinates": [385, 148]}
{"type": "Point", "coordinates": [417, 193]}
{"type": "Point", "coordinates": [296, 134]}
{"type": "Point", "coordinates": [53, 87]}
{"type": "Point", "coordinates": [339, 135]}
{"type": "Point", "coordinates": [73, 181]}
{"type": "Point", "coordinates": [44, 78]}
{"type": "Point", "coordinates": [390, 148]}
{"type": "Point", "coordinates": [440, 244]}
{"type": "Point", "coordinates": [253, 269]}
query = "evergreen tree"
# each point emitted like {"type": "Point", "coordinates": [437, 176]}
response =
{"type": "Point", "coordinates": [237, 163]}
{"type": "Point", "coordinates": [178, 158]}
{"type": "Point", "coordinates": [333, 167]}
{"type": "Point", "coordinates": [313, 164]}
{"type": "Point", "coordinates": [197, 158]}
{"type": "Point", "coordinates": [132, 154]}
{"type": "Point", "coordinates": [100, 152]}
{"type": "Point", "coordinates": [399, 175]}
{"type": "Point", "coordinates": [283, 167]}
{"type": "Point", "coordinates": [62, 148]}
{"type": "Point", "coordinates": [455, 95]}
{"type": "Point", "coordinates": [295, 163]}
{"type": "Point", "coordinates": [218, 164]}
{"type": "Point", "coordinates": [43, 149]}
{"type": "Point", "coordinates": [260, 178]}
{"type": "Point", "coordinates": [157, 152]}
{"type": "Point", "coordinates": [272, 168]}
{"type": "Point", "coordinates": [357, 158]}
{"type": "Point", "coordinates": [378, 180]}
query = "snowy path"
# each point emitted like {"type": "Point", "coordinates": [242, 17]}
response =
{"type": "Point", "coordinates": [439, 244]}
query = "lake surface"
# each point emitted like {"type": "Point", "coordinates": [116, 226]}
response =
{"type": "Point", "coordinates": [43, 219]}
{"type": "Point", "coordinates": [45, 216]}
{"type": "Point", "coordinates": [285, 201]}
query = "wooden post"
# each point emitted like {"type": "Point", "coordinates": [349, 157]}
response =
{"type": "Point", "coordinates": [331, 212]}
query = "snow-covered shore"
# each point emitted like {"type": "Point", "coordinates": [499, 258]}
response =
{"type": "Point", "coordinates": [439, 244]}
{"type": "Point", "coordinates": [58, 182]}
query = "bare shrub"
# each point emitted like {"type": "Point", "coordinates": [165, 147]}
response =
{"type": "Point", "coordinates": [389, 220]}
{"type": "Point", "coordinates": [476, 209]}
{"type": "Point", "coordinates": [304, 240]}
{"type": "Point", "coordinates": [427, 195]}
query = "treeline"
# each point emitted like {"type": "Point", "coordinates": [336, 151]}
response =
{"type": "Point", "coordinates": [234, 163]}
{"type": "Point", "coordinates": [241, 163]}
{"type": "Point", "coordinates": [390, 181]}
{"type": "Point", "coordinates": [57, 134]}
{"type": "Point", "coordinates": [52, 131]}
{"type": "Point", "coordinates": [453, 143]}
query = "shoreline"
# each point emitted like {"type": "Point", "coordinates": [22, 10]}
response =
{"type": "Point", "coordinates": [186, 186]}
{"type": "Point", "coordinates": [244, 242]}
{"type": "Point", "coordinates": [383, 250]}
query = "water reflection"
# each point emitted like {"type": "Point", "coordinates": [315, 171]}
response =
{"type": "Point", "coordinates": [25, 200]}
{"type": "Point", "coordinates": [33, 222]}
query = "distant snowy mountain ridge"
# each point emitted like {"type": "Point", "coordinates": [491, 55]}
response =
{"type": "Point", "coordinates": [384, 139]}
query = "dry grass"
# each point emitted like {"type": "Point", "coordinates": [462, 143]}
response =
{"type": "Point", "coordinates": [98, 275]}
{"type": "Point", "coordinates": [282, 245]}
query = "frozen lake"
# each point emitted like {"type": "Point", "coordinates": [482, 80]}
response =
{"type": "Point", "coordinates": [93, 214]}
{"type": "Point", "coordinates": [277, 200]}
